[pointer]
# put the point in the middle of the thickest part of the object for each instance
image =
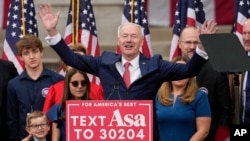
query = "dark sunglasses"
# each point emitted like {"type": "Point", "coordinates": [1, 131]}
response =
{"type": "Point", "coordinates": [76, 83]}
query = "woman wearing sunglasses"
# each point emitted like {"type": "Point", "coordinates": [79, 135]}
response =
{"type": "Point", "coordinates": [76, 87]}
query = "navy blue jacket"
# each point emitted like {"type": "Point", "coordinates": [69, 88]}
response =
{"type": "Point", "coordinates": [217, 85]}
{"type": "Point", "coordinates": [24, 92]}
{"type": "Point", "coordinates": [154, 71]}
{"type": "Point", "coordinates": [7, 72]}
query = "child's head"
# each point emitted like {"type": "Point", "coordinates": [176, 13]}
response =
{"type": "Point", "coordinates": [37, 124]}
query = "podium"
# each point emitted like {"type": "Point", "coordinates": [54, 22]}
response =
{"type": "Point", "coordinates": [227, 55]}
{"type": "Point", "coordinates": [100, 120]}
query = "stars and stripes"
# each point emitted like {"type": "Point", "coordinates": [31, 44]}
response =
{"type": "Point", "coordinates": [161, 13]}
{"type": "Point", "coordinates": [81, 28]}
{"type": "Point", "coordinates": [21, 21]}
{"type": "Point", "coordinates": [188, 13]}
{"type": "Point", "coordinates": [242, 14]}
{"type": "Point", "coordinates": [135, 11]}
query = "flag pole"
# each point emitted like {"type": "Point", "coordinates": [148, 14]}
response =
{"type": "Point", "coordinates": [77, 21]}
{"type": "Point", "coordinates": [132, 11]}
{"type": "Point", "coordinates": [23, 18]}
{"type": "Point", "coordinates": [73, 21]}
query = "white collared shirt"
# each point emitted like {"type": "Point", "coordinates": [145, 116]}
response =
{"type": "Point", "coordinates": [134, 68]}
{"type": "Point", "coordinates": [35, 139]}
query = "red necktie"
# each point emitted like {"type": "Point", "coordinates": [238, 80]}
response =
{"type": "Point", "coordinates": [126, 75]}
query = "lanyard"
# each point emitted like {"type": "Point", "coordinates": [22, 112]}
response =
{"type": "Point", "coordinates": [32, 98]}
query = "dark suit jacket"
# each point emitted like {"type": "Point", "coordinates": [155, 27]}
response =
{"type": "Point", "coordinates": [7, 72]}
{"type": "Point", "coordinates": [154, 71]}
{"type": "Point", "coordinates": [218, 94]}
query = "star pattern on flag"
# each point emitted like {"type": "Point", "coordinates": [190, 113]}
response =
{"type": "Point", "coordinates": [242, 14]}
{"type": "Point", "coordinates": [178, 26]}
{"type": "Point", "coordinates": [188, 13]}
{"type": "Point", "coordinates": [82, 29]}
{"type": "Point", "coordinates": [199, 11]}
{"type": "Point", "coordinates": [135, 12]}
{"type": "Point", "coordinates": [21, 21]}
{"type": "Point", "coordinates": [15, 20]}
{"type": "Point", "coordinates": [88, 19]}
{"type": "Point", "coordinates": [140, 14]}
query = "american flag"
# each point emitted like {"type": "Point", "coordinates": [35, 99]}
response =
{"type": "Point", "coordinates": [135, 11]}
{"type": "Point", "coordinates": [4, 7]}
{"type": "Point", "coordinates": [242, 14]}
{"type": "Point", "coordinates": [81, 28]}
{"type": "Point", "coordinates": [21, 21]}
{"type": "Point", "coordinates": [188, 13]}
{"type": "Point", "coordinates": [161, 13]}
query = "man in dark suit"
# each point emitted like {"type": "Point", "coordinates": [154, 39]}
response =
{"type": "Point", "coordinates": [7, 72]}
{"type": "Point", "coordinates": [214, 82]}
{"type": "Point", "coordinates": [146, 74]}
{"type": "Point", "coordinates": [245, 81]}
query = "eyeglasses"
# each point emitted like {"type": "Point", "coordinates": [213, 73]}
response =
{"type": "Point", "coordinates": [36, 126]}
{"type": "Point", "coordinates": [76, 83]}
{"type": "Point", "coordinates": [191, 43]}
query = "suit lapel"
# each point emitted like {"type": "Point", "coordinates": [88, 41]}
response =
{"type": "Point", "coordinates": [145, 66]}
{"type": "Point", "coordinates": [112, 66]}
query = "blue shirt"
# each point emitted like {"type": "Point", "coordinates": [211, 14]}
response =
{"type": "Point", "coordinates": [177, 122]}
{"type": "Point", "coordinates": [25, 95]}
{"type": "Point", "coordinates": [53, 115]}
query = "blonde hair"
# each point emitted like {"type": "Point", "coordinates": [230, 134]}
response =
{"type": "Point", "coordinates": [34, 115]}
{"type": "Point", "coordinates": [167, 88]}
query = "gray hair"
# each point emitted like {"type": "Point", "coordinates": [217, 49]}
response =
{"type": "Point", "coordinates": [120, 27]}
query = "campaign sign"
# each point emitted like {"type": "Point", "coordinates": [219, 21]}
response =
{"type": "Point", "coordinates": [96, 120]}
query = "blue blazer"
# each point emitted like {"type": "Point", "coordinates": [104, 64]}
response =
{"type": "Point", "coordinates": [154, 71]}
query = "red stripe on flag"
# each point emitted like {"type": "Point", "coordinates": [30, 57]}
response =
{"type": "Point", "coordinates": [118, 49]}
{"type": "Point", "coordinates": [239, 28]}
{"type": "Point", "coordinates": [177, 52]}
{"type": "Point", "coordinates": [90, 46]}
{"type": "Point", "coordinates": [191, 21]}
{"type": "Point", "coordinates": [68, 39]}
{"type": "Point", "coordinates": [21, 62]}
{"type": "Point", "coordinates": [4, 57]}
{"type": "Point", "coordinates": [172, 11]}
{"type": "Point", "coordinates": [97, 50]}
{"type": "Point", "coordinates": [145, 50]}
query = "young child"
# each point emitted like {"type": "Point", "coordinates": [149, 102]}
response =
{"type": "Point", "coordinates": [37, 125]}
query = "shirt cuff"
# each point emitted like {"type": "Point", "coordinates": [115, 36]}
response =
{"type": "Point", "coordinates": [202, 53]}
{"type": "Point", "coordinates": [53, 40]}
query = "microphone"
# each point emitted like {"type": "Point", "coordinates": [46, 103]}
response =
{"type": "Point", "coordinates": [116, 85]}
{"type": "Point", "coordinates": [115, 88]}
